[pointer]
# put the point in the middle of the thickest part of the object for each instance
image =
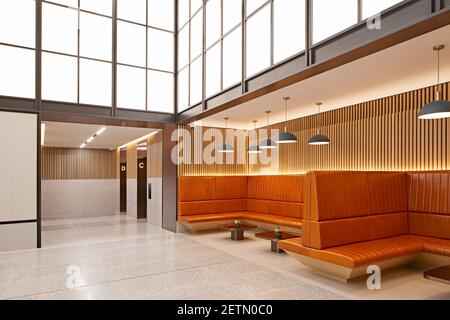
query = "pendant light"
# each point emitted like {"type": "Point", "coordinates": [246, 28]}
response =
{"type": "Point", "coordinates": [319, 139]}
{"type": "Point", "coordinates": [268, 143]}
{"type": "Point", "coordinates": [438, 109]}
{"type": "Point", "coordinates": [226, 148]}
{"type": "Point", "coordinates": [286, 137]}
{"type": "Point", "coordinates": [254, 149]}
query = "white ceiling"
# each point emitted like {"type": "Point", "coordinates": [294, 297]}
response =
{"type": "Point", "coordinates": [408, 66]}
{"type": "Point", "coordinates": [70, 135]}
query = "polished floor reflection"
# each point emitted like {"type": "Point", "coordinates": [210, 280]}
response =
{"type": "Point", "coordinates": [119, 258]}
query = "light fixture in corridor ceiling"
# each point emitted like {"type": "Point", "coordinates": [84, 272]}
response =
{"type": "Point", "coordinates": [438, 109]}
{"type": "Point", "coordinates": [286, 137]}
{"type": "Point", "coordinates": [225, 148]}
{"type": "Point", "coordinates": [254, 149]}
{"type": "Point", "coordinates": [99, 132]}
{"type": "Point", "coordinates": [42, 134]}
{"type": "Point", "coordinates": [319, 139]}
{"type": "Point", "coordinates": [268, 143]}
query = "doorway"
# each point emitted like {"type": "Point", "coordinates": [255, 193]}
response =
{"type": "Point", "coordinates": [142, 181]}
{"type": "Point", "coordinates": [123, 188]}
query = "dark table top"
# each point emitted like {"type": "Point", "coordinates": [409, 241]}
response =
{"type": "Point", "coordinates": [441, 274]}
{"type": "Point", "coordinates": [240, 226]}
{"type": "Point", "coordinates": [270, 235]}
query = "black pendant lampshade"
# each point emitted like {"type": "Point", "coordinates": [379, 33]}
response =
{"type": "Point", "coordinates": [437, 109]}
{"type": "Point", "coordinates": [286, 137]}
{"type": "Point", "coordinates": [319, 139]}
{"type": "Point", "coordinates": [254, 149]}
{"type": "Point", "coordinates": [268, 143]}
{"type": "Point", "coordinates": [225, 148]}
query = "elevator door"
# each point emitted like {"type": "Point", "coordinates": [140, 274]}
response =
{"type": "Point", "coordinates": [142, 189]}
{"type": "Point", "coordinates": [123, 187]}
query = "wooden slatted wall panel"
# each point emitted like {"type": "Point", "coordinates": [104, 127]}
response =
{"type": "Point", "coordinates": [380, 135]}
{"type": "Point", "coordinates": [198, 168]}
{"type": "Point", "coordinates": [77, 164]}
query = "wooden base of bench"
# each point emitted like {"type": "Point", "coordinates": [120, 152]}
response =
{"type": "Point", "coordinates": [344, 274]}
{"type": "Point", "coordinates": [214, 225]}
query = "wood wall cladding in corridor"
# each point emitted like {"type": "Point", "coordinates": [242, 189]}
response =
{"type": "Point", "coordinates": [380, 135]}
{"type": "Point", "coordinates": [77, 164]}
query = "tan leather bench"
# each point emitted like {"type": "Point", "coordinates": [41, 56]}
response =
{"type": "Point", "coordinates": [355, 219]}
{"type": "Point", "coordinates": [269, 201]}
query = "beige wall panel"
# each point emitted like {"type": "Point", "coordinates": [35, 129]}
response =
{"type": "Point", "coordinates": [18, 166]}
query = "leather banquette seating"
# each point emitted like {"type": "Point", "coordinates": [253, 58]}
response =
{"type": "Point", "coordinates": [356, 219]}
{"type": "Point", "coordinates": [268, 201]}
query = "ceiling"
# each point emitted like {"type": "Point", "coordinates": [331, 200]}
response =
{"type": "Point", "coordinates": [408, 66]}
{"type": "Point", "coordinates": [70, 135]}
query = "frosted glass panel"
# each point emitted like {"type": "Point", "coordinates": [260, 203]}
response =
{"type": "Point", "coordinates": [195, 5]}
{"type": "Point", "coordinates": [70, 3]}
{"type": "Point", "coordinates": [59, 77]}
{"type": "Point", "coordinates": [59, 29]}
{"type": "Point", "coordinates": [232, 14]}
{"type": "Point", "coordinates": [289, 28]}
{"type": "Point", "coordinates": [183, 47]}
{"type": "Point", "coordinates": [161, 14]}
{"type": "Point", "coordinates": [183, 12]}
{"type": "Point", "coordinates": [160, 92]}
{"type": "Point", "coordinates": [160, 50]}
{"type": "Point", "coordinates": [17, 22]}
{"type": "Point", "coordinates": [95, 82]}
{"type": "Point", "coordinates": [325, 20]}
{"type": "Point", "coordinates": [131, 44]}
{"type": "Point", "coordinates": [232, 58]}
{"type": "Point", "coordinates": [183, 89]}
{"type": "Point", "coordinates": [98, 6]}
{"type": "Point", "coordinates": [252, 5]}
{"type": "Point", "coordinates": [213, 70]}
{"type": "Point", "coordinates": [196, 82]}
{"type": "Point", "coordinates": [213, 22]}
{"type": "Point", "coordinates": [130, 88]}
{"type": "Point", "coordinates": [371, 7]}
{"type": "Point", "coordinates": [132, 10]}
{"type": "Point", "coordinates": [17, 72]}
{"type": "Point", "coordinates": [258, 41]}
{"type": "Point", "coordinates": [196, 35]}
{"type": "Point", "coordinates": [95, 36]}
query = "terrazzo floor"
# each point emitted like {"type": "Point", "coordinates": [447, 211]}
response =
{"type": "Point", "coordinates": [120, 258]}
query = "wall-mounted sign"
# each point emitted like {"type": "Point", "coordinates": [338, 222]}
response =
{"type": "Point", "coordinates": [123, 168]}
{"type": "Point", "coordinates": [141, 165]}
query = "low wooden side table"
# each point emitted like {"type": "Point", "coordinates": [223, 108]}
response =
{"type": "Point", "coordinates": [275, 237]}
{"type": "Point", "coordinates": [441, 274]}
{"type": "Point", "coordinates": [237, 229]}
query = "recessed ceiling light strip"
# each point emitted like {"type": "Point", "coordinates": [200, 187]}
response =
{"type": "Point", "coordinates": [91, 138]}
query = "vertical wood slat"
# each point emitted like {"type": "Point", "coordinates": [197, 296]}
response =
{"type": "Point", "coordinates": [77, 164]}
{"type": "Point", "coordinates": [380, 135]}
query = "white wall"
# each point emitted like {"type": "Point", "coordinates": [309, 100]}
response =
{"type": "Point", "coordinates": [132, 197]}
{"type": "Point", "coordinates": [18, 180]}
{"type": "Point", "coordinates": [79, 198]}
{"type": "Point", "coordinates": [154, 206]}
